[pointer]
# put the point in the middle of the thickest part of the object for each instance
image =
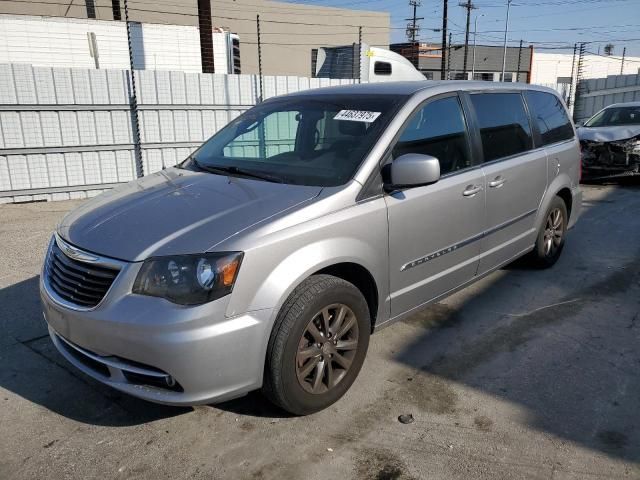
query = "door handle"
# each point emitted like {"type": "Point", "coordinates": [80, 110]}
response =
{"type": "Point", "coordinates": [497, 182]}
{"type": "Point", "coordinates": [471, 190]}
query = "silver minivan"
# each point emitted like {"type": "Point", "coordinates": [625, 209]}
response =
{"type": "Point", "coordinates": [268, 257]}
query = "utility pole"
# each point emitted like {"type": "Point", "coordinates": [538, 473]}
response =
{"type": "Point", "coordinates": [624, 53]}
{"type": "Point", "coordinates": [504, 51]}
{"type": "Point", "coordinates": [206, 38]}
{"type": "Point", "coordinates": [413, 27]}
{"type": "Point", "coordinates": [444, 38]}
{"type": "Point", "coordinates": [469, 6]}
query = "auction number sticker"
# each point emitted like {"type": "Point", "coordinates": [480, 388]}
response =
{"type": "Point", "coordinates": [357, 116]}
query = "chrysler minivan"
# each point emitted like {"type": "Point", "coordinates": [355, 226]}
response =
{"type": "Point", "coordinates": [268, 256]}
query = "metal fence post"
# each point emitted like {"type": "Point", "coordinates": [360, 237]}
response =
{"type": "Point", "coordinates": [519, 62]}
{"type": "Point", "coordinates": [259, 57]}
{"type": "Point", "coordinates": [449, 58]}
{"type": "Point", "coordinates": [573, 65]}
{"type": "Point", "coordinates": [577, 106]}
{"type": "Point", "coordinates": [360, 54]}
{"type": "Point", "coordinates": [133, 101]}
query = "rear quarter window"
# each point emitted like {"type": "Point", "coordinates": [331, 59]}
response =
{"type": "Point", "coordinates": [504, 124]}
{"type": "Point", "coordinates": [550, 116]}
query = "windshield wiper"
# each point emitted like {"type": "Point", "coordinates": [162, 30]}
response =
{"type": "Point", "coordinates": [233, 170]}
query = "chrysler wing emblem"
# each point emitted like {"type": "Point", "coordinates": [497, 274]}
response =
{"type": "Point", "coordinates": [73, 252]}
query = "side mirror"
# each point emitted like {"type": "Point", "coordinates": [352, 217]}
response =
{"type": "Point", "coordinates": [580, 123]}
{"type": "Point", "coordinates": [413, 170]}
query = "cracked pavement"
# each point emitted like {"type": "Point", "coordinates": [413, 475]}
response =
{"type": "Point", "coordinates": [526, 374]}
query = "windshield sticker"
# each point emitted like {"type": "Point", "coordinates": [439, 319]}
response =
{"type": "Point", "coordinates": [357, 116]}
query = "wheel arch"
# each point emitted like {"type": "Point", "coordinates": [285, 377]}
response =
{"type": "Point", "coordinates": [358, 262]}
{"type": "Point", "coordinates": [565, 194]}
{"type": "Point", "coordinates": [559, 187]}
{"type": "Point", "coordinates": [362, 279]}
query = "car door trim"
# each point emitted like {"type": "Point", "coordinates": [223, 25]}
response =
{"type": "Point", "coordinates": [467, 241]}
{"type": "Point", "coordinates": [441, 252]}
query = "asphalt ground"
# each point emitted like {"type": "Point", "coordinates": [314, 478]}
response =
{"type": "Point", "coordinates": [526, 374]}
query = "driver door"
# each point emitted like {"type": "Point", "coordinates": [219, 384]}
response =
{"type": "Point", "coordinates": [434, 230]}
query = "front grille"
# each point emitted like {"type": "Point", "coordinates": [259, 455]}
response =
{"type": "Point", "coordinates": [80, 283]}
{"type": "Point", "coordinates": [606, 154]}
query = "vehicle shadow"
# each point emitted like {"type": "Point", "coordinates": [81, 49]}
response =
{"type": "Point", "coordinates": [561, 343]}
{"type": "Point", "coordinates": [254, 404]}
{"type": "Point", "coordinates": [33, 369]}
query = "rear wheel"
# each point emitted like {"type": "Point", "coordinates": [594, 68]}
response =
{"type": "Point", "coordinates": [317, 346]}
{"type": "Point", "coordinates": [551, 236]}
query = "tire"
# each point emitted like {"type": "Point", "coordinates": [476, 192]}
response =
{"type": "Point", "coordinates": [293, 346]}
{"type": "Point", "coordinates": [553, 229]}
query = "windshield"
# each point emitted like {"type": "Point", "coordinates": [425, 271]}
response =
{"type": "Point", "coordinates": [319, 141]}
{"type": "Point", "coordinates": [610, 117]}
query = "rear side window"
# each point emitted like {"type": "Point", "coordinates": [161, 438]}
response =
{"type": "Point", "coordinates": [550, 116]}
{"type": "Point", "coordinates": [437, 129]}
{"type": "Point", "coordinates": [382, 68]}
{"type": "Point", "coordinates": [504, 125]}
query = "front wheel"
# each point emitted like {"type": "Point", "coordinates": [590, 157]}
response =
{"type": "Point", "coordinates": [551, 236]}
{"type": "Point", "coordinates": [317, 346]}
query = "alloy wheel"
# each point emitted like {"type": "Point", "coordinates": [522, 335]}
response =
{"type": "Point", "coordinates": [327, 348]}
{"type": "Point", "coordinates": [553, 232]}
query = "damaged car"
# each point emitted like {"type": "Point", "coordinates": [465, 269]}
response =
{"type": "Point", "coordinates": [610, 142]}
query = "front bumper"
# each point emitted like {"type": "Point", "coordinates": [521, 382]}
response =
{"type": "Point", "coordinates": [608, 160]}
{"type": "Point", "coordinates": [161, 352]}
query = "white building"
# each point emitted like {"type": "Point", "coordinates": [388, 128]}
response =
{"type": "Point", "coordinates": [555, 68]}
{"type": "Point", "coordinates": [72, 42]}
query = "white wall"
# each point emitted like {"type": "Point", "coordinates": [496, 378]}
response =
{"type": "Point", "coordinates": [547, 67]}
{"type": "Point", "coordinates": [63, 42]}
{"type": "Point", "coordinates": [66, 132]}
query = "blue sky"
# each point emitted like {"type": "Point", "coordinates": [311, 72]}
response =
{"type": "Point", "coordinates": [545, 23]}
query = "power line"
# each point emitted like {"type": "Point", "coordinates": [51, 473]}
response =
{"type": "Point", "coordinates": [269, 8]}
{"type": "Point", "coordinates": [625, 59]}
{"type": "Point", "coordinates": [185, 14]}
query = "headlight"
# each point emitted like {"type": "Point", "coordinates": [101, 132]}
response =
{"type": "Point", "coordinates": [189, 279]}
{"type": "Point", "coordinates": [634, 147]}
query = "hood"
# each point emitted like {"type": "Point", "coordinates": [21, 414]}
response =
{"type": "Point", "coordinates": [608, 134]}
{"type": "Point", "coordinates": [176, 212]}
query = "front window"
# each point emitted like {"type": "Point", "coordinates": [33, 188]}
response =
{"type": "Point", "coordinates": [437, 129]}
{"type": "Point", "coordinates": [614, 116]}
{"type": "Point", "coordinates": [319, 140]}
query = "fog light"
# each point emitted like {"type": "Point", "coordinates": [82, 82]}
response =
{"type": "Point", "coordinates": [170, 381]}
